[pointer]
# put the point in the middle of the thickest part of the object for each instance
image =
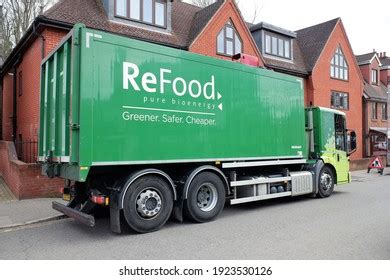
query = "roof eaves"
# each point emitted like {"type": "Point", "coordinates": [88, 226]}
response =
{"type": "Point", "coordinates": [288, 70]}
{"type": "Point", "coordinates": [274, 28]}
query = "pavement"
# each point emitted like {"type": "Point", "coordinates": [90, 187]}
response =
{"type": "Point", "coordinates": [18, 213]}
{"type": "Point", "coordinates": [5, 192]}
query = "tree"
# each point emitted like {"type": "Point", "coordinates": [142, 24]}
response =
{"type": "Point", "coordinates": [15, 18]}
{"type": "Point", "coordinates": [202, 3]}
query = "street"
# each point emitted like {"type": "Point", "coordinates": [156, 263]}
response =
{"type": "Point", "coordinates": [354, 223]}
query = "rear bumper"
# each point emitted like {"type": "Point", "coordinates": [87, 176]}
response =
{"type": "Point", "coordinates": [81, 217]}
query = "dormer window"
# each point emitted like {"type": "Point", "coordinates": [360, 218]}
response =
{"type": "Point", "coordinates": [228, 41]}
{"type": "Point", "coordinates": [276, 45]}
{"type": "Point", "coordinates": [374, 77]}
{"type": "Point", "coordinates": [339, 66]}
{"type": "Point", "coordinates": [152, 12]}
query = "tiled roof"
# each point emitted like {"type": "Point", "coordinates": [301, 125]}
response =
{"type": "Point", "coordinates": [385, 61]}
{"type": "Point", "coordinates": [312, 41]}
{"type": "Point", "coordinates": [378, 93]}
{"type": "Point", "coordinates": [201, 19]}
{"type": "Point", "coordinates": [187, 20]}
{"type": "Point", "coordinates": [361, 58]}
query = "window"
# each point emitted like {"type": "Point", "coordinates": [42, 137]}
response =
{"type": "Point", "coordinates": [374, 111]}
{"type": "Point", "coordinates": [374, 76]}
{"type": "Point", "coordinates": [20, 83]}
{"type": "Point", "coordinates": [340, 135]}
{"type": "Point", "coordinates": [339, 66]}
{"type": "Point", "coordinates": [384, 111]}
{"type": "Point", "coordinates": [228, 41]}
{"type": "Point", "coordinates": [277, 46]}
{"type": "Point", "coordinates": [147, 11]}
{"type": "Point", "coordinates": [339, 100]}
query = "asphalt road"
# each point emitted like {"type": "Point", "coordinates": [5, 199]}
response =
{"type": "Point", "coordinates": [354, 223]}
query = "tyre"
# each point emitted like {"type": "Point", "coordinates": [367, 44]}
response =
{"type": "Point", "coordinates": [326, 182]}
{"type": "Point", "coordinates": [206, 198]}
{"type": "Point", "coordinates": [148, 204]}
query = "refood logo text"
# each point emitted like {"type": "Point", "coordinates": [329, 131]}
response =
{"type": "Point", "coordinates": [203, 96]}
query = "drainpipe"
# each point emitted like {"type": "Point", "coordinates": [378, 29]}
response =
{"type": "Point", "coordinates": [14, 114]}
{"type": "Point", "coordinates": [35, 32]}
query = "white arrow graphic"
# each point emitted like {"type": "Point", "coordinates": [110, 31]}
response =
{"type": "Point", "coordinates": [220, 106]}
{"type": "Point", "coordinates": [219, 96]}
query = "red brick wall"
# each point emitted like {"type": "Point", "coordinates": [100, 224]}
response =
{"type": "Point", "coordinates": [206, 43]}
{"type": "Point", "coordinates": [385, 74]}
{"type": "Point", "coordinates": [365, 69]}
{"type": "Point", "coordinates": [322, 84]}
{"type": "Point", "coordinates": [7, 107]}
{"type": "Point", "coordinates": [25, 180]}
{"type": "Point", "coordinates": [28, 103]}
{"type": "Point", "coordinates": [52, 38]}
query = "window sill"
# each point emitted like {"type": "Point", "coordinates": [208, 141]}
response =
{"type": "Point", "coordinates": [341, 80]}
{"type": "Point", "coordinates": [339, 109]}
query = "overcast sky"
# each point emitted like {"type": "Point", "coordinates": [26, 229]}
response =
{"type": "Point", "coordinates": [367, 22]}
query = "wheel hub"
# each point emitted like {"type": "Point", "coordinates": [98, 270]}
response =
{"type": "Point", "coordinates": [148, 203]}
{"type": "Point", "coordinates": [326, 181]}
{"type": "Point", "coordinates": [207, 197]}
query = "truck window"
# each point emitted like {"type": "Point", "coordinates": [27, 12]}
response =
{"type": "Point", "coordinates": [340, 133]}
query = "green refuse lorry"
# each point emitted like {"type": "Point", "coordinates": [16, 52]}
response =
{"type": "Point", "coordinates": [153, 132]}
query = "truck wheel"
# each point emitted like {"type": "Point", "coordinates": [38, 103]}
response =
{"type": "Point", "coordinates": [148, 204]}
{"type": "Point", "coordinates": [326, 182]}
{"type": "Point", "coordinates": [206, 198]}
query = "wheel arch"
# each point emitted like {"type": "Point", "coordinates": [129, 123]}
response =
{"type": "Point", "coordinates": [139, 174]}
{"type": "Point", "coordinates": [203, 168]}
{"type": "Point", "coordinates": [333, 171]}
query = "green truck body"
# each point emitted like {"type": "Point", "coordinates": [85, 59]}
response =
{"type": "Point", "coordinates": [116, 110]}
{"type": "Point", "coordinates": [180, 107]}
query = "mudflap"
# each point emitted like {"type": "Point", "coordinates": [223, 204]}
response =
{"type": "Point", "coordinates": [116, 219]}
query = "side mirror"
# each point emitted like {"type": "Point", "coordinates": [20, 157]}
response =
{"type": "Point", "coordinates": [351, 140]}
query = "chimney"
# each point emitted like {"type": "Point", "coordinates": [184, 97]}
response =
{"type": "Point", "coordinates": [384, 54]}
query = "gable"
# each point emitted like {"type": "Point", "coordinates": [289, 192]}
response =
{"type": "Point", "coordinates": [206, 41]}
{"type": "Point", "coordinates": [313, 39]}
{"type": "Point", "coordinates": [368, 58]}
{"type": "Point", "coordinates": [339, 38]}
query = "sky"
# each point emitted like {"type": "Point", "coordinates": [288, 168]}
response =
{"type": "Point", "coordinates": [367, 23]}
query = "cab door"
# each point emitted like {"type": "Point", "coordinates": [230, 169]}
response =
{"type": "Point", "coordinates": [341, 152]}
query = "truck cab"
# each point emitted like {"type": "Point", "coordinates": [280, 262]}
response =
{"type": "Point", "coordinates": [332, 141]}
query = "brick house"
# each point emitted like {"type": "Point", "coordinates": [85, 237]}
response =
{"type": "Point", "coordinates": [385, 79]}
{"type": "Point", "coordinates": [375, 104]}
{"type": "Point", "coordinates": [322, 55]}
{"type": "Point", "coordinates": [217, 30]}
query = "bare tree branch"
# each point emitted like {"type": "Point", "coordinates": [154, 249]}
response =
{"type": "Point", "coordinates": [15, 18]}
{"type": "Point", "coordinates": [255, 11]}
{"type": "Point", "coordinates": [202, 3]}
